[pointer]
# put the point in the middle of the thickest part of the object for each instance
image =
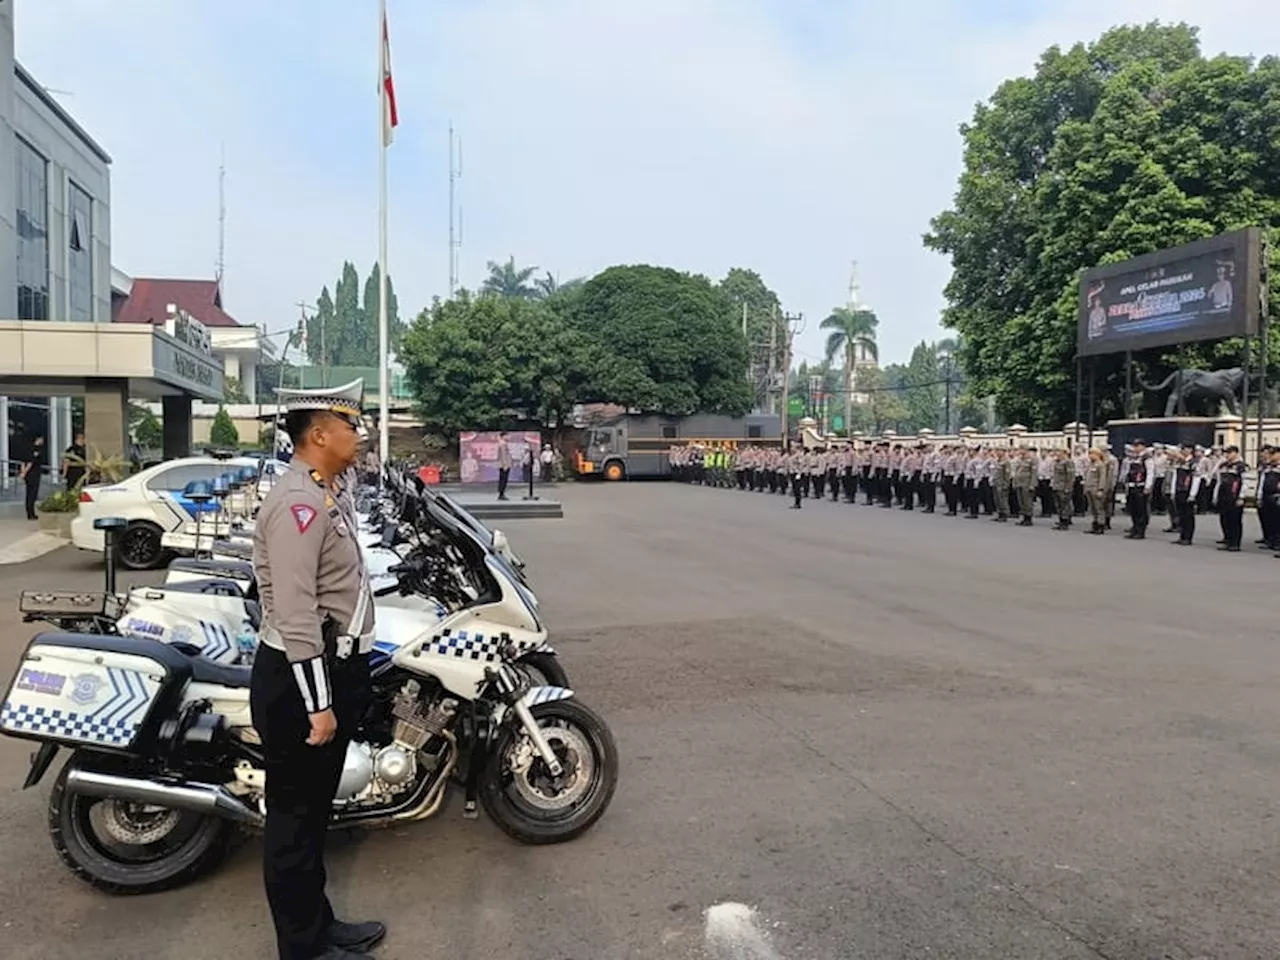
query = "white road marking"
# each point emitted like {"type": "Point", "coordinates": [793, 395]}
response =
{"type": "Point", "coordinates": [735, 931]}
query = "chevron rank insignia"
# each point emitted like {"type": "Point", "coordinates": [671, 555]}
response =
{"type": "Point", "coordinates": [303, 516]}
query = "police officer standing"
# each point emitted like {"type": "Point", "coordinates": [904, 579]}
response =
{"type": "Point", "coordinates": [310, 683]}
{"type": "Point", "coordinates": [1231, 500]}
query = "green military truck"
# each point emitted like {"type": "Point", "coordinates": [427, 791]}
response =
{"type": "Point", "coordinates": [635, 446]}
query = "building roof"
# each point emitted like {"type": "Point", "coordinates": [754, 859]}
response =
{"type": "Point", "coordinates": [150, 298]}
{"type": "Point", "coordinates": [41, 94]}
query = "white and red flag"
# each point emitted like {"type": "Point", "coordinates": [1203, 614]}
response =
{"type": "Point", "coordinates": [390, 119]}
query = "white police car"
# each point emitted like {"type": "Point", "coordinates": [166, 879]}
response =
{"type": "Point", "coordinates": [153, 503]}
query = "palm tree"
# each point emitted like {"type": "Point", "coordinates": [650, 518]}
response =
{"type": "Point", "coordinates": [508, 280]}
{"type": "Point", "coordinates": [548, 286]}
{"type": "Point", "coordinates": [853, 331]}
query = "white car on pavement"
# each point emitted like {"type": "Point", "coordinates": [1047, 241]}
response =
{"type": "Point", "coordinates": [153, 503]}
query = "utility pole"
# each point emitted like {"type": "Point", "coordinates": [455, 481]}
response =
{"type": "Point", "coordinates": [773, 351]}
{"type": "Point", "coordinates": [793, 325]}
{"type": "Point", "coordinates": [455, 236]}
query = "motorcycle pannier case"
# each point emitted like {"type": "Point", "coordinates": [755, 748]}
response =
{"type": "Point", "coordinates": [94, 691]}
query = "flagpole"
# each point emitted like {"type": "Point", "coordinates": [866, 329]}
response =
{"type": "Point", "coordinates": [383, 345]}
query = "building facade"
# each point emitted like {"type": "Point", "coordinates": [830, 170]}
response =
{"type": "Point", "coordinates": [55, 232]}
{"type": "Point", "coordinates": [59, 350]}
{"type": "Point", "coordinates": [238, 347]}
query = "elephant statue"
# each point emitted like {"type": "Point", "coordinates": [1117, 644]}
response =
{"type": "Point", "coordinates": [1200, 390]}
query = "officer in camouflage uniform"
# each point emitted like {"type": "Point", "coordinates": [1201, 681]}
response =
{"type": "Point", "coordinates": [1063, 481]}
{"type": "Point", "coordinates": [310, 684]}
{"type": "Point", "coordinates": [1096, 490]}
{"type": "Point", "coordinates": [1025, 479]}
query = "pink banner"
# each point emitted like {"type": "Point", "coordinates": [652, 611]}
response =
{"type": "Point", "coordinates": [478, 455]}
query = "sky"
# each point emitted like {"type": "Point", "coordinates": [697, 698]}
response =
{"type": "Point", "coordinates": [791, 137]}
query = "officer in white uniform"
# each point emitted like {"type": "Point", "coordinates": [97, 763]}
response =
{"type": "Point", "coordinates": [310, 684]}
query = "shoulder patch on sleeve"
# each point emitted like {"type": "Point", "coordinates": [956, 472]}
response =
{"type": "Point", "coordinates": [303, 515]}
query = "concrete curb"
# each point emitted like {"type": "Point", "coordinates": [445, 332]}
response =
{"type": "Point", "coordinates": [30, 547]}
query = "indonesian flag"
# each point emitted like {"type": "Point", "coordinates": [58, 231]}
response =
{"type": "Point", "coordinates": [390, 119]}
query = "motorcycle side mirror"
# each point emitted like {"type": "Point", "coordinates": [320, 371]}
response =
{"type": "Point", "coordinates": [389, 532]}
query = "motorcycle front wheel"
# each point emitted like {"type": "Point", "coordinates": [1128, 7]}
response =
{"type": "Point", "coordinates": [129, 848]}
{"type": "Point", "coordinates": [545, 669]}
{"type": "Point", "coordinates": [526, 801]}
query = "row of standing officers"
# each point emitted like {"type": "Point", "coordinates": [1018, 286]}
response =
{"type": "Point", "coordinates": [1006, 482]}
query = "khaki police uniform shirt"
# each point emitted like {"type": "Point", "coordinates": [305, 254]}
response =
{"type": "Point", "coordinates": [310, 568]}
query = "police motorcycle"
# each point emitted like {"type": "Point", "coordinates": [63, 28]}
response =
{"type": "Point", "coordinates": [213, 603]}
{"type": "Point", "coordinates": [165, 763]}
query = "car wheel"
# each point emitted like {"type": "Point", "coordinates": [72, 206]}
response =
{"type": "Point", "coordinates": [140, 546]}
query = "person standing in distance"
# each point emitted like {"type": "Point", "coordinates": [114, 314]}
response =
{"type": "Point", "coordinates": [504, 465]}
{"type": "Point", "coordinates": [310, 683]}
{"type": "Point", "coordinates": [29, 473]}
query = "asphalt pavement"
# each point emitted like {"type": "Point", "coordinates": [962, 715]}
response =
{"type": "Point", "coordinates": [846, 732]}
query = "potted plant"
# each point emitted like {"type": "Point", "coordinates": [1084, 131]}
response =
{"type": "Point", "coordinates": [56, 512]}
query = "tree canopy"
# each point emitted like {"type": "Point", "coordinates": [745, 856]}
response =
{"type": "Point", "coordinates": [508, 280]}
{"type": "Point", "coordinates": [484, 362]}
{"type": "Point", "coordinates": [648, 338]}
{"type": "Point", "coordinates": [668, 341]}
{"type": "Point", "coordinates": [1130, 144]}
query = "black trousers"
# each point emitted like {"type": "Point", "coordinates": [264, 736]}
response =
{"type": "Point", "coordinates": [33, 493]}
{"type": "Point", "coordinates": [1185, 511]}
{"type": "Point", "coordinates": [1231, 517]}
{"type": "Point", "coordinates": [301, 783]}
{"type": "Point", "coordinates": [796, 488]}
{"type": "Point", "coordinates": [1268, 515]}
{"type": "Point", "coordinates": [1139, 503]}
{"type": "Point", "coordinates": [504, 475]}
{"type": "Point", "coordinates": [1044, 493]}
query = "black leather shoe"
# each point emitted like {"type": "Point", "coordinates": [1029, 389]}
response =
{"type": "Point", "coordinates": [355, 937]}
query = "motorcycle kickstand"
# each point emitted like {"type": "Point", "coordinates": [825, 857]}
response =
{"type": "Point", "coordinates": [471, 786]}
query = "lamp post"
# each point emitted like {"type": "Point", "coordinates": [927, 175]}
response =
{"type": "Point", "coordinates": [947, 360]}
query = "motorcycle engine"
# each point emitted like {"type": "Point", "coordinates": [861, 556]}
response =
{"type": "Point", "coordinates": [376, 774]}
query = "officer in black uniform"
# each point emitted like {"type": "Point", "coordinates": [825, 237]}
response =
{"type": "Point", "coordinates": [310, 684]}
{"type": "Point", "coordinates": [1231, 500]}
{"type": "Point", "coordinates": [1138, 482]}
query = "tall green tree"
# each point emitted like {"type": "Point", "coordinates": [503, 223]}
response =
{"type": "Point", "coordinates": [923, 393]}
{"type": "Point", "coordinates": [668, 341]}
{"type": "Point", "coordinates": [369, 310]}
{"type": "Point", "coordinates": [1113, 149]}
{"type": "Point", "coordinates": [508, 280]}
{"type": "Point", "coordinates": [853, 332]}
{"type": "Point", "coordinates": [343, 330]}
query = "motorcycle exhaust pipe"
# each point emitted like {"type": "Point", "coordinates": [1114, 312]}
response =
{"type": "Point", "coordinates": [200, 798]}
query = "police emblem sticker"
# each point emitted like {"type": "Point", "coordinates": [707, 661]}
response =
{"type": "Point", "coordinates": [303, 516]}
{"type": "Point", "coordinates": [86, 688]}
{"type": "Point", "coordinates": [181, 634]}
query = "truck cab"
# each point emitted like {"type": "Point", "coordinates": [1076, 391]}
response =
{"type": "Point", "coordinates": [603, 451]}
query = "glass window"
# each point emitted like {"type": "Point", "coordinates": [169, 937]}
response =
{"type": "Point", "coordinates": [80, 254]}
{"type": "Point", "coordinates": [755, 431]}
{"type": "Point", "coordinates": [176, 478]}
{"type": "Point", "coordinates": [668, 432]}
{"type": "Point", "coordinates": [33, 233]}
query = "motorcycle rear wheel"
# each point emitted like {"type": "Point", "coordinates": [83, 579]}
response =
{"type": "Point", "coordinates": [535, 808]}
{"type": "Point", "coordinates": [173, 846]}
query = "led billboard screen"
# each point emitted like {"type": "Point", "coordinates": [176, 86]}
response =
{"type": "Point", "coordinates": [1207, 290]}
